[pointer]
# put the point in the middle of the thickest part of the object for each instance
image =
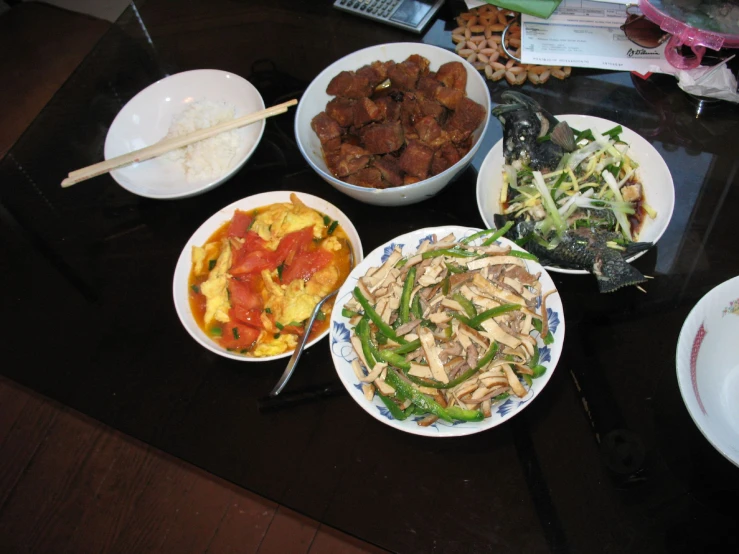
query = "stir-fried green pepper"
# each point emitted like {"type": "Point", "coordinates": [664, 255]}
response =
{"type": "Point", "coordinates": [491, 313]}
{"type": "Point", "coordinates": [454, 268]}
{"type": "Point", "coordinates": [363, 332]}
{"type": "Point", "coordinates": [463, 414]}
{"type": "Point", "coordinates": [404, 310]}
{"type": "Point", "coordinates": [416, 307]}
{"type": "Point", "coordinates": [424, 402]}
{"type": "Point", "coordinates": [499, 233]}
{"type": "Point", "coordinates": [394, 409]}
{"type": "Point", "coordinates": [408, 347]}
{"type": "Point", "coordinates": [375, 317]}
{"type": "Point", "coordinates": [538, 325]}
{"type": "Point", "coordinates": [475, 236]}
{"type": "Point", "coordinates": [428, 404]}
{"type": "Point", "coordinates": [466, 304]}
{"type": "Point", "coordinates": [523, 255]}
{"type": "Point", "coordinates": [451, 252]}
{"type": "Point", "coordinates": [390, 357]}
{"type": "Point", "coordinates": [482, 362]}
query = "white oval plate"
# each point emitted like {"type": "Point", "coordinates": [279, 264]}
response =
{"type": "Point", "coordinates": [180, 286]}
{"type": "Point", "coordinates": [343, 353]}
{"type": "Point", "coordinates": [653, 173]}
{"type": "Point", "coordinates": [707, 360]}
{"type": "Point", "coordinates": [146, 119]}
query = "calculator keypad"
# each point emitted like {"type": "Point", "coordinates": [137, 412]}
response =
{"type": "Point", "coordinates": [380, 10]}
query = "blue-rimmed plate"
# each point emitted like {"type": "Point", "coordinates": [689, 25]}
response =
{"type": "Point", "coordinates": [343, 353]}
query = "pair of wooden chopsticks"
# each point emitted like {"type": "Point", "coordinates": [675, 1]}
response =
{"type": "Point", "coordinates": [168, 145]}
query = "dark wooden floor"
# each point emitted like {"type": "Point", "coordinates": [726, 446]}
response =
{"type": "Point", "coordinates": [69, 484]}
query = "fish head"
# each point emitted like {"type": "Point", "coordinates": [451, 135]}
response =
{"type": "Point", "coordinates": [524, 123]}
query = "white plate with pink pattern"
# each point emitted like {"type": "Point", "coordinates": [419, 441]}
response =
{"type": "Point", "coordinates": [707, 361]}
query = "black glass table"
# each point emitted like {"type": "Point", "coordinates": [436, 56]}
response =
{"type": "Point", "coordinates": [606, 460]}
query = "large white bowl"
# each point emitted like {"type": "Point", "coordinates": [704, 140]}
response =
{"type": "Point", "coordinates": [147, 117]}
{"type": "Point", "coordinates": [652, 172]}
{"type": "Point", "coordinates": [707, 360]}
{"type": "Point", "coordinates": [315, 98]}
{"type": "Point", "coordinates": [180, 287]}
{"type": "Point", "coordinates": [343, 353]}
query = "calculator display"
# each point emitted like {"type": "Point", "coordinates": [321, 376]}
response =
{"type": "Point", "coordinates": [411, 15]}
{"type": "Point", "coordinates": [412, 12]}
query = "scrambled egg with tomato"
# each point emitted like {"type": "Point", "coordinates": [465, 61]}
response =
{"type": "Point", "coordinates": [280, 219]}
{"type": "Point", "coordinates": [284, 305]}
{"type": "Point", "coordinates": [215, 289]}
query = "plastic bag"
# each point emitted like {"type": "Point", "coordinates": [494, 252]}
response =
{"type": "Point", "coordinates": [538, 8]}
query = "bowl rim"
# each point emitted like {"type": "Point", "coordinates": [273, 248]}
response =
{"type": "Point", "coordinates": [564, 117]}
{"type": "Point", "coordinates": [683, 373]}
{"type": "Point", "coordinates": [402, 188]}
{"type": "Point", "coordinates": [207, 73]}
{"type": "Point", "coordinates": [208, 227]}
{"type": "Point", "coordinates": [460, 429]}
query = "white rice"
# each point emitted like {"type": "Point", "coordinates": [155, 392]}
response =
{"type": "Point", "coordinates": [210, 158]}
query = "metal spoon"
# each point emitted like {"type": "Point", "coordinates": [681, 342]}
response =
{"type": "Point", "coordinates": [304, 338]}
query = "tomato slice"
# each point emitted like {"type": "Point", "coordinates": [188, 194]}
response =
{"type": "Point", "coordinates": [251, 317]}
{"type": "Point", "coordinates": [293, 244]}
{"type": "Point", "coordinates": [238, 336]}
{"type": "Point", "coordinates": [254, 262]}
{"type": "Point", "coordinates": [240, 223]}
{"type": "Point", "coordinates": [244, 295]}
{"type": "Point", "coordinates": [252, 256]}
{"type": "Point", "coordinates": [252, 241]}
{"type": "Point", "coordinates": [306, 264]}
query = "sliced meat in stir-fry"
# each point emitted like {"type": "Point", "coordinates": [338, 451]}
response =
{"type": "Point", "coordinates": [454, 327]}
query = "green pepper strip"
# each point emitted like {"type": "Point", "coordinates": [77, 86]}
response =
{"type": "Point", "coordinates": [477, 235]}
{"type": "Point", "coordinates": [482, 362]}
{"type": "Point", "coordinates": [392, 358]}
{"type": "Point", "coordinates": [363, 332]}
{"type": "Point", "coordinates": [394, 409]}
{"type": "Point", "coordinates": [428, 404]}
{"type": "Point", "coordinates": [404, 312]}
{"type": "Point", "coordinates": [375, 317]}
{"type": "Point", "coordinates": [499, 233]}
{"type": "Point", "coordinates": [538, 371]}
{"type": "Point", "coordinates": [466, 320]}
{"type": "Point", "coordinates": [466, 304]}
{"type": "Point", "coordinates": [453, 252]}
{"type": "Point", "coordinates": [465, 415]}
{"type": "Point", "coordinates": [424, 402]}
{"type": "Point", "coordinates": [416, 307]}
{"type": "Point", "coordinates": [494, 312]}
{"type": "Point", "coordinates": [408, 347]}
{"type": "Point", "coordinates": [523, 255]}
{"type": "Point", "coordinates": [454, 268]}
{"type": "Point", "coordinates": [538, 325]}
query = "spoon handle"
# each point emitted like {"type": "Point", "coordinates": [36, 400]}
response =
{"type": "Point", "coordinates": [300, 347]}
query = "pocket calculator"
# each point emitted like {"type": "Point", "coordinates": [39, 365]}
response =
{"type": "Point", "coordinates": [411, 15]}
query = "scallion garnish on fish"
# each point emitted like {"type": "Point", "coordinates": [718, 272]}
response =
{"type": "Point", "coordinates": [571, 198]}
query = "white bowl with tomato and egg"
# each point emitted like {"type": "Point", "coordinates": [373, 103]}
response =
{"type": "Point", "coordinates": [246, 305]}
{"type": "Point", "coordinates": [423, 136]}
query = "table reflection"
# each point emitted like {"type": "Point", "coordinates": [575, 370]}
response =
{"type": "Point", "coordinates": [606, 459]}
